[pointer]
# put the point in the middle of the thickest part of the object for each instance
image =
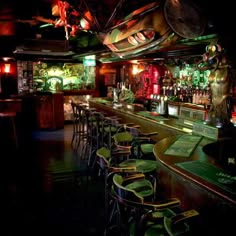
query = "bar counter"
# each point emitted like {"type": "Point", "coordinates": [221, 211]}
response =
{"type": "Point", "coordinates": [135, 113]}
{"type": "Point", "coordinates": [188, 177]}
{"type": "Point", "coordinates": [43, 110]}
{"type": "Point", "coordinates": [200, 182]}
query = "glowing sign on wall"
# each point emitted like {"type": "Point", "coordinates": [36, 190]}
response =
{"type": "Point", "coordinates": [54, 76]}
{"type": "Point", "coordinates": [89, 60]}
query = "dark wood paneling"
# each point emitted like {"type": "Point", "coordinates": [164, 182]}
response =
{"type": "Point", "coordinates": [50, 111]}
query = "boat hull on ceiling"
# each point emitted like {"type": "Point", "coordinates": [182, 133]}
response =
{"type": "Point", "coordinates": [150, 29]}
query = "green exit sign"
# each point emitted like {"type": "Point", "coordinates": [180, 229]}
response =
{"type": "Point", "coordinates": [89, 60]}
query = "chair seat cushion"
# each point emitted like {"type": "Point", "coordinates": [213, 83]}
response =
{"type": "Point", "coordinates": [104, 152]}
{"type": "Point", "coordinates": [147, 148]}
{"type": "Point", "coordinates": [123, 137]}
{"type": "Point", "coordinates": [143, 187]}
{"type": "Point", "coordinates": [142, 166]}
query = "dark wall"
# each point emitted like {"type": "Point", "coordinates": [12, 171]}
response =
{"type": "Point", "coordinates": [221, 18]}
{"type": "Point", "coordinates": [8, 86]}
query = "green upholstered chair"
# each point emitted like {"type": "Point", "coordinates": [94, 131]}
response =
{"type": "Point", "coordinates": [133, 187]}
{"type": "Point", "coordinates": [145, 217]}
{"type": "Point", "coordinates": [116, 161]}
{"type": "Point", "coordinates": [122, 139]}
{"type": "Point", "coordinates": [142, 142]}
{"type": "Point", "coordinates": [172, 224]}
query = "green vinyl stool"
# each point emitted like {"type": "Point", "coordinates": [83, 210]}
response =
{"type": "Point", "coordinates": [132, 193]}
{"type": "Point", "coordinates": [172, 224]}
{"type": "Point", "coordinates": [118, 160]}
{"type": "Point", "coordinates": [109, 163]}
{"type": "Point", "coordinates": [142, 143]}
{"type": "Point", "coordinates": [124, 138]}
{"type": "Point", "coordinates": [161, 217]}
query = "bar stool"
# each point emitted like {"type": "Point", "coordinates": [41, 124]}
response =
{"type": "Point", "coordinates": [9, 118]}
{"type": "Point", "coordinates": [147, 217]}
{"type": "Point", "coordinates": [112, 125]}
{"type": "Point", "coordinates": [95, 140]}
{"type": "Point", "coordinates": [109, 163]}
{"type": "Point", "coordinates": [142, 143]}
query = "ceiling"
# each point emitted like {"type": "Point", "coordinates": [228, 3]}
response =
{"type": "Point", "coordinates": [106, 16]}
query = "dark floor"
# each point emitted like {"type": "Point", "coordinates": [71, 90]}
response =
{"type": "Point", "coordinates": [47, 188]}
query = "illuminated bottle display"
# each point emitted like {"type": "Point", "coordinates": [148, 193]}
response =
{"type": "Point", "coordinates": [189, 85]}
{"type": "Point", "coordinates": [179, 82]}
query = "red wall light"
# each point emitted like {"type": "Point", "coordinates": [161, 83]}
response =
{"type": "Point", "coordinates": [7, 68]}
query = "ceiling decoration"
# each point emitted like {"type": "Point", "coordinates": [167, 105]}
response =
{"type": "Point", "coordinates": [102, 15]}
{"type": "Point", "coordinates": [185, 18]}
{"type": "Point", "coordinates": [140, 33]}
{"type": "Point", "coordinates": [117, 28]}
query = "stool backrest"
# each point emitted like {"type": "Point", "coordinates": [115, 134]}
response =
{"type": "Point", "coordinates": [132, 198]}
{"type": "Point", "coordinates": [123, 138]}
{"type": "Point", "coordinates": [124, 194]}
{"type": "Point", "coordinates": [104, 156]}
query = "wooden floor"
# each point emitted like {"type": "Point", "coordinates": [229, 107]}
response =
{"type": "Point", "coordinates": [46, 188]}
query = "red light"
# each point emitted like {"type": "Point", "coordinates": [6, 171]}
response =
{"type": "Point", "coordinates": [7, 68]}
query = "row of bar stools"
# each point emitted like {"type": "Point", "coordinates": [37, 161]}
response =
{"type": "Point", "coordinates": [104, 128]}
{"type": "Point", "coordinates": [78, 124]}
{"type": "Point", "coordinates": [97, 129]}
{"type": "Point", "coordinates": [85, 142]}
{"type": "Point", "coordinates": [95, 138]}
{"type": "Point", "coordinates": [8, 121]}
